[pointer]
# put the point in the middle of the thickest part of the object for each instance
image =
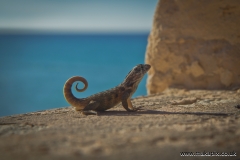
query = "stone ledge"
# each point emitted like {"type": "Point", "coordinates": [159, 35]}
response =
{"type": "Point", "coordinates": [169, 123]}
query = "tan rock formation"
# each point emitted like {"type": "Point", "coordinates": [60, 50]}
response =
{"type": "Point", "coordinates": [194, 45]}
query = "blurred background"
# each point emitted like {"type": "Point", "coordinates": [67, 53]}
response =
{"type": "Point", "coordinates": [43, 43]}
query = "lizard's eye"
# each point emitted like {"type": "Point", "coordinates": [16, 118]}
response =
{"type": "Point", "coordinates": [137, 69]}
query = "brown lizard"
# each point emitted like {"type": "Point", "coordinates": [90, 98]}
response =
{"type": "Point", "coordinates": [109, 98]}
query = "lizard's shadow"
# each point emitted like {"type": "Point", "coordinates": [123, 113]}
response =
{"type": "Point", "coordinates": [144, 112]}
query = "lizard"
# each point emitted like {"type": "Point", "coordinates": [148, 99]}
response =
{"type": "Point", "coordinates": [107, 99]}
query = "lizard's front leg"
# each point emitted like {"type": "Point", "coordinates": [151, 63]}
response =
{"type": "Point", "coordinates": [126, 101]}
{"type": "Point", "coordinates": [130, 104]}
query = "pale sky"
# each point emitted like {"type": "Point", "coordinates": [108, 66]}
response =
{"type": "Point", "coordinates": [77, 15]}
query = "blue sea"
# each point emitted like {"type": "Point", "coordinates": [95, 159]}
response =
{"type": "Point", "coordinates": [34, 67]}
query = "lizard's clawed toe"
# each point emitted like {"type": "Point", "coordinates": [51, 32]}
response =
{"type": "Point", "coordinates": [89, 112]}
{"type": "Point", "coordinates": [134, 110]}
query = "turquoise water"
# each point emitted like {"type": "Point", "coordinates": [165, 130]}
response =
{"type": "Point", "coordinates": [34, 68]}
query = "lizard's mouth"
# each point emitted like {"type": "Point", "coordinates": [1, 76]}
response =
{"type": "Point", "coordinates": [147, 67]}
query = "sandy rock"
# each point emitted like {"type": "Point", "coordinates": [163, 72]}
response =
{"type": "Point", "coordinates": [195, 69]}
{"type": "Point", "coordinates": [226, 77]}
{"type": "Point", "coordinates": [194, 45]}
{"type": "Point", "coordinates": [169, 123]}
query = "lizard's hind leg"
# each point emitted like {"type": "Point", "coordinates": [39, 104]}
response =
{"type": "Point", "coordinates": [89, 109]}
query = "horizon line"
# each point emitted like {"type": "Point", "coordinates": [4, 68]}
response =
{"type": "Point", "coordinates": [8, 31]}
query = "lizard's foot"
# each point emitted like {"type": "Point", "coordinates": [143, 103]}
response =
{"type": "Point", "coordinates": [139, 108]}
{"type": "Point", "coordinates": [133, 110]}
{"type": "Point", "coordinates": [90, 112]}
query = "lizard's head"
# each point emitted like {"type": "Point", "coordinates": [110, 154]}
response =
{"type": "Point", "coordinates": [137, 73]}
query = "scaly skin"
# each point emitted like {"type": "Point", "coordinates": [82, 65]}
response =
{"type": "Point", "coordinates": [109, 98]}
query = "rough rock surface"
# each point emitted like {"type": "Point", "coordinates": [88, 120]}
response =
{"type": "Point", "coordinates": [194, 45]}
{"type": "Point", "coordinates": [169, 123]}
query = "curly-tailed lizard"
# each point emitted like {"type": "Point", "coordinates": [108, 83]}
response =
{"type": "Point", "coordinates": [109, 98]}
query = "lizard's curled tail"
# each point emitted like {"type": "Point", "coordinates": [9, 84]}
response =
{"type": "Point", "coordinates": [67, 92]}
